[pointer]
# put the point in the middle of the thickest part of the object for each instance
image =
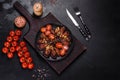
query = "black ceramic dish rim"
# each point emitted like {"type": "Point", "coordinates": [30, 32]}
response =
{"type": "Point", "coordinates": [60, 58]}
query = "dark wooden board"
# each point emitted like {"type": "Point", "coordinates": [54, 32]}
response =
{"type": "Point", "coordinates": [35, 24]}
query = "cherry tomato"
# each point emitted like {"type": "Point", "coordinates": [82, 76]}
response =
{"type": "Point", "coordinates": [5, 50]}
{"type": "Point", "coordinates": [15, 38]}
{"type": "Point", "coordinates": [29, 60]}
{"type": "Point", "coordinates": [49, 27]}
{"type": "Point", "coordinates": [20, 54]}
{"type": "Point", "coordinates": [24, 65]}
{"type": "Point", "coordinates": [62, 52]}
{"type": "Point", "coordinates": [25, 49]}
{"type": "Point", "coordinates": [12, 49]}
{"type": "Point", "coordinates": [47, 33]}
{"type": "Point", "coordinates": [22, 59]}
{"type": "Point", "coordinates": [30, 66]}
{"type": "Point", "coordinates": [58, 45]}
{"type": "Point", "coordinates": [10, 55]}
{"type": "Point", "coordinates": [7, 44]}
{"type": "Point", "coordinates": [18, 32]}
{"type": "Point", "coordinates": [14, 43]}
{"type": "Point", "coordinates": [9, 39]}
{"type": "Point", "coordinates": [22, 43]}
{"type": "Point", "coordinates": [43, 29]}
{"type": "Point", "coordinates": [18, 48]}
{"type": "Point", "coordinates": [51, 36]}
{"type": "Point", "coordinates": [26, 54]}
{"type": "Point", "coordinates": [12, 33]}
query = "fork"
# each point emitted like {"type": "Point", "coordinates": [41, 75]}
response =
{"type": "Point", "coordinates": [78, 13]}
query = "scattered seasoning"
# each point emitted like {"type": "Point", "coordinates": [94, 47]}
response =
{"type": "Point", "coordinates": [40, 74]}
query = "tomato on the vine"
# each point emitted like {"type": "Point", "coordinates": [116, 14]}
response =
{"type": "Point", "coordinates": [10, 55]}
{"type": "Point", "coordinates": [14, 43]}
{"type": "Point", "coordinates": [5, 50]}
{"type": "Point", "coordinates": [29, 60]}
{"type": "Point", "coordinates": [22, 43]}
{"type": "Point", "coordinates": [7, 44]}
{"type": "Point", "coordinates": [27, 54]}
{"type": "Point", "coordinates": [18, 48]}
{"type": "Point", "coordinates": [12, 49]}
{"type": "Point", "coordinates": [11, 33]}
{"type": "Point", "coordinates": [24, 65]}
{"type": "Point", "coordinates": [25, 49]}
{"type": "Point", "coordinates": [15, 38]}
{"type": "Point", "coordinates": [18, 32]}
{"type": "Point", "coordinates": [9, 39]}
{"type": "Point", "coordinates": [20, 54]}
{"type": "Point", "coordinates": [30, 66]}
{"type": "Point", "coordinates": [22, 59]}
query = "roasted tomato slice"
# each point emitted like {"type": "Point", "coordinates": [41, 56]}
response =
{"type": "Point", "coordinates": [62, 52]}
{"type": "Point", "coordinates": [43, 29]}
{"type": "Point", "coordinates": [49, 27]}
{"type": "Point", "coordinates": [58, 45]}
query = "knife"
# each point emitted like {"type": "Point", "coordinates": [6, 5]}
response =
{"type": "Point", "coordinates": [77, 25]}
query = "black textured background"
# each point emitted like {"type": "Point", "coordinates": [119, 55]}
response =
{"type": "Point", "coordinates": [102, 59]}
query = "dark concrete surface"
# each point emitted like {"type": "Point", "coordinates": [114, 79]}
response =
{"type": "Point", "coordinates": [101, 61]}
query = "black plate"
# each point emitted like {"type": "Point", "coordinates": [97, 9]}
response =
{"type": "Point", "coordinates": [58, 58]}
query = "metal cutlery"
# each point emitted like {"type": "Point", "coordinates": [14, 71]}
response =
{"type": "Point", "coordinates": [77, 25]}
{"type": "Point", "coordinates": [78, 13]}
